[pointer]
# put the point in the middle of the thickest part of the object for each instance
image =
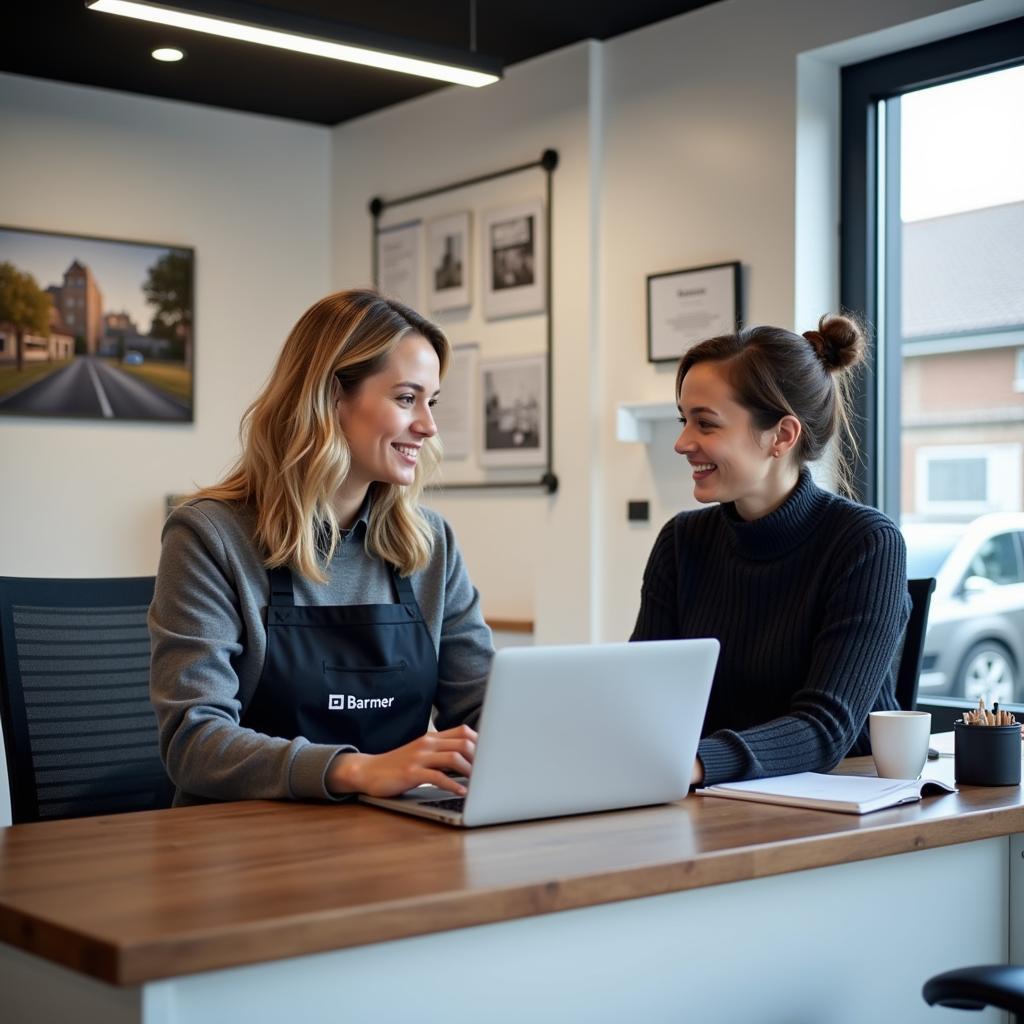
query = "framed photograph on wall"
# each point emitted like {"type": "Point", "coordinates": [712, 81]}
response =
{"type": "Point", "coordinates": [449, 263]}
{"type": "Point", "coordinates": [515, 260]}
{"type": "Point", "coordinates": [685, 307]}
{"type": "Point", "coordinates": [95, 328]}
{"type": "Point", "coordinates": [515, 415]}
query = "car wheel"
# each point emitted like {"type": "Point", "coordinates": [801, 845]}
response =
{"type": "Point", "coordinates": [988, 671]}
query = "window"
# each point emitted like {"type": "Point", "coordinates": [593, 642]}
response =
{"type": "Point", "coordinates": [997, 561]}
{"type": "Point", "coordinates": [967, 480]}
{"type": "Point", "coordinates": [933, 256]}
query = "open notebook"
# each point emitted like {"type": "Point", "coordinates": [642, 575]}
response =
{"type": "Point", "coordinates": [851, 794]}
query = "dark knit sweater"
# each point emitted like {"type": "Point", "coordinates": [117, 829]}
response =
{"type": "Point", "coordinates": [809, 603]}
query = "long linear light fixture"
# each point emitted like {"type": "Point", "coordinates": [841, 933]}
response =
{"type": "Point", "coordinates": [249, 24]}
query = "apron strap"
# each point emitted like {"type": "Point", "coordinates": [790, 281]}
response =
{"type": "Point", "coordinates": [281, 595]}
{"type": "Point", "coordinates": [403, 588]}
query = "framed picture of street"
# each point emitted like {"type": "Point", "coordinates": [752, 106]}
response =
{"type": "Point", "coordinates": [515, 416]}
{"type": "Point", "coordinates": [514, 249]}
{"type": "Point", "coordinates": [95, 328]}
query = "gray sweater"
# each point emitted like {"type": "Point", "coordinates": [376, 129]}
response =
{"type": "Point", "coordinates": [209, 644]}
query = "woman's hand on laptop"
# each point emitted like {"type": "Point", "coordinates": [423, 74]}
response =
{"type": "Point", "coordinates": [424, 760]}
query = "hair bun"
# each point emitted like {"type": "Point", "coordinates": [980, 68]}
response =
{"type": "Point", "coordinates": [838, 341]}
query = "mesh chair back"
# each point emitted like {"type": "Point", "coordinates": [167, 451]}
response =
{"type": "Point", "coordinates": [79, 730]}
{"type": "Point", "coordinates": [913, 642]}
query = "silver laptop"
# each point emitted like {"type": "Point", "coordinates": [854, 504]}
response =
{"type": "Point", "coordinates": [569, 730]}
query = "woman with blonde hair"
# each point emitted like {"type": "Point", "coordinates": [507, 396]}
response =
{"type": "Point", "coordinates": [308, 613]}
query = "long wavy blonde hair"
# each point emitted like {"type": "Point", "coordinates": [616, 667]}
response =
{"type": "Point", "coordinates": [295, 456]}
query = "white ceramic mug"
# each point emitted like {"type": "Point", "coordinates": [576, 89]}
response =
{"type": "Point", "coordinates": [899, 742]}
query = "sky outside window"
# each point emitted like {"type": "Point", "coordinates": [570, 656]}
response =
{"type": "Point", "coordinates": [962, 145]}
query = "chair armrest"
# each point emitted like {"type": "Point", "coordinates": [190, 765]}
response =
{"type": "Point", "coordinates": [973, 988]}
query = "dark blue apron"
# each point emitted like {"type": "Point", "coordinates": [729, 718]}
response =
{"type": "Point", "coordinates": [362, 674]}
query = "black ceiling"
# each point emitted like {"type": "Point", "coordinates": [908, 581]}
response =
{"type": "Point", "coordinates": [61, 39]}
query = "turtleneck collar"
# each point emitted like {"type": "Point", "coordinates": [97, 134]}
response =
{"type": "Point", "coordinates": [782, 530]}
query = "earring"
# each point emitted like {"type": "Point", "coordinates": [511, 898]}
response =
{"type": "Point", "coordinates": [775, 453]}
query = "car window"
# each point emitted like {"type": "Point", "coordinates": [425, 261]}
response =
{"type": "Point", "coordinates": [925, 557]}
{"type": "Point", "coordinates": [997, 560]}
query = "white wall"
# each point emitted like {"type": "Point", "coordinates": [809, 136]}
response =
{"type": "Point", "coordinates": [251, 195]}
{"type": "Point", "coordinates": [530, 554]}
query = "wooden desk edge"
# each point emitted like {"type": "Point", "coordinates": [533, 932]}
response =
{"type": "Point", "coordinates": [422, 915]}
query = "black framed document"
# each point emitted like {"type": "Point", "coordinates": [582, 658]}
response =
{"type": "Point", "coordinates": [685, 307]}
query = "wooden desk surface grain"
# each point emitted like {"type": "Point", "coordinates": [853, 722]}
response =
{"type": "Point", "coordinates": [137, 897]}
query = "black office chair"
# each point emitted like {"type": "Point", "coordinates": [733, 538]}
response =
{"type": "Point", "coordinates": [974, 988]}
{"type": "Point", "coordinates": [909, 669]}
{"type": "Point", "coordinates": [79, 731]}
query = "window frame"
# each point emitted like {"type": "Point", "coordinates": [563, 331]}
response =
{"type": "Point", "coordinates": [868, 121]}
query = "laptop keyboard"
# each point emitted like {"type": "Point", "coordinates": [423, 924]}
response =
{"type": "Point", "coordinates": [452, 804]}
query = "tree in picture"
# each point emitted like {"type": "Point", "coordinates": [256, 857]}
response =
{"type": "Point", "coordinates": [25, 305]}
{"type": "Point", "coordinates": [169, 289]}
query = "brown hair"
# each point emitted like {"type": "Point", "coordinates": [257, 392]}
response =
{"type": "Point", "coordinates": [294, 454]}
{"type": "Point", "coordinates": [777, 373]}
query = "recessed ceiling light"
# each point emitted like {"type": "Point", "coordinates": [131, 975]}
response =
{"type": "Point", "coordinates": [316, 37]}
{"type": "Point", "coordinates": [168, 54]}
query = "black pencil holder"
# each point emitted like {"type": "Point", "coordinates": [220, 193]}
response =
{"type": "Point", "coordinates": [986, 755]}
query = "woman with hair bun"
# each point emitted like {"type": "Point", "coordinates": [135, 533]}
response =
{"type": "Point", "coordinates": [308, 614]}
{"type": "Point", "coordinates": [806, 590]}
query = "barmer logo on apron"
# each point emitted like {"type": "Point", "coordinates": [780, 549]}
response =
{"type": "Point", "coordinates": [375, 663]}
{"type": "Point", "coordinates": [349, 702]}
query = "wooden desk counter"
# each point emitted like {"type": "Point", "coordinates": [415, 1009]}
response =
{"type": "Point", "coordinates": [132, 898]}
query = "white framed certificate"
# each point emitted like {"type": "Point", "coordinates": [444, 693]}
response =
{"type": "Point", "coordinates": [453, 413]}
{"type": "Point", "coordinates": [398, 263]}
